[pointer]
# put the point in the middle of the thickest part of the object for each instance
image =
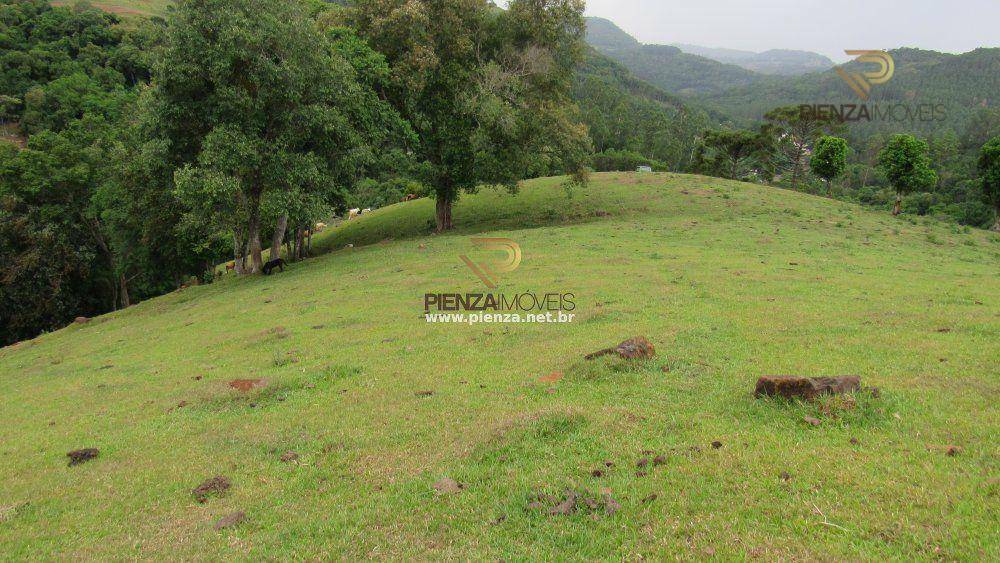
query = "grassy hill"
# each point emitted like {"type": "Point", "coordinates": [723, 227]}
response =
{"type": "Point", "coordinates": [128, 8]}
{"type": "Point", "coordinates": [730, 281]}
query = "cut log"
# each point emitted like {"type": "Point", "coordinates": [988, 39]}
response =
{"type": "Point", "coordinates": [805, 388]}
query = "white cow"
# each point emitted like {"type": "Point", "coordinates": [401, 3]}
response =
{"type": "Point", "coordinates": [353, 213]}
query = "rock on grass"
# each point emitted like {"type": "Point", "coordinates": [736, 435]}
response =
{"type": "Point", "coordinates": [805, 388]}
{"type": "Point", "coordinates": [638, 348]}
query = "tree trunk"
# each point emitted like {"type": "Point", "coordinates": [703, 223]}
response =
{"type": "Point", "coordinates": [796, 164]}
{"type": "Point", "coordinates": [253, 233]}
{"type": "Point", "coordinates": [898, 208]}
{"type": "Point", "coordinates": [298, 243]}
{"type": "Point", "coordinates": [279, 237]}
{"type": "Point", "coordinates": [443, 214]}
{"type": "Point", "coordinates": [123, 292]}
{"type": "Point", "coordinates": [238, 253]}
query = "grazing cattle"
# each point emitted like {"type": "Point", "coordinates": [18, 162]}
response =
{"type": "Point", "coordinates": [411, 197]}
{"type": "Point", "coordinates": [279, 263]}
{"type": "Point", "coordinates": [366, 210]}
{"type": "Point", "coordinates": [230, 266]}
{"type": "Point", "coordinates": [320, 227]}
{"type": "Point", "coordinates": [353, 213]}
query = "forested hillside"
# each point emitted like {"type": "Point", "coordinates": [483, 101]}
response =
{"type": "Point", "coordinates": [625, 114]}
{"type": "Point", "coordinates": [962, 84]}
{"type": "Point", "coordinates": [665, 66]}
{"type": "Point", "coordinates": [788, 62]}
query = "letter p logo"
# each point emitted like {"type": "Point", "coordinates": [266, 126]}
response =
{"type": "Point", "coordinates": [861, 83]}
{"type": "Point", "coordinates": [487, 271]}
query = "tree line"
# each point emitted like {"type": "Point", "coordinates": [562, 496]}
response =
{"type": "Point", "coordinates": [156, 151]}
{"type": "Point", "coordinates": [947, 176]}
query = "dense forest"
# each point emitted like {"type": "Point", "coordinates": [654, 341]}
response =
{"type": "Point", "coordinates": [135, 158]}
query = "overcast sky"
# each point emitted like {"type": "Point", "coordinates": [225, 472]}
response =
{"type": "Point", "coordinates": [826, 27]}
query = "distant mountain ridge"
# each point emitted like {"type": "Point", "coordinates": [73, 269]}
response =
{"type": "Point", "coordinates": [960, 86]}
{"type": "Point", "coordinates": [665, 66]}
{"type": "Point", "coordinates": [783, 62]}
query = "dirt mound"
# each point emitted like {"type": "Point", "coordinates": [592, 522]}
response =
{"type": "Point", "coordinates": [231, 520]}
{"type": "Point", "coordinates": [76, 457]}
{"type": "Point", "coordinates": [214, 487]}
{"type": "Point", "coordinates": [246, 385]}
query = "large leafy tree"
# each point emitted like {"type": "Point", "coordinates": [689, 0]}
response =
{"type": "Point", "coordinates": [795, 132]}
{"type": "Point", "coordinates": [260, 114]}
{"type": "Point", "coordinates": [829, 157]}
{"type": "Point", "coordinates": [736, 154]}
{"type": "Point", "coordinates": [989, 171]}
{"type": "Point", "coordinates": [486, 90]}
{"type": "Point", "coordinates": [906, 165]}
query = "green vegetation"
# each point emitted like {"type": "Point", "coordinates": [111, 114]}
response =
{"type": "Point", "coordinates": [730, 281]}
{"type": "Point", "coordinates": [829, 158]}
{"type": "Point", "coordinates": [960, 86]}
{"type": "Point", "coordinates": [788, 62]}
{"type": "Point", "coordinates": [665, 66]}
{"type": "Point", "coordinates": [906, 166]}
{"type": "Point", "coordinates": [486, 91]}
{"type": "Point", "coordinates": [626, 115]}
{"type": "Point", "coordinates": [989, 170]}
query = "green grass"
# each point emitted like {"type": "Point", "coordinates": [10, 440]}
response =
{"type": "Point", "coordinates": [730, 281]}
{"type": "Point", "coordinates": [127, 8]}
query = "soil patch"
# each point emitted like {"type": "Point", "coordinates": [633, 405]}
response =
{"type": "Point", "coordinates": [247, 385]}
{"type": "Point", "coordinates": [76, 457]}
{"type": "Point", "coordinates": [214, 487]}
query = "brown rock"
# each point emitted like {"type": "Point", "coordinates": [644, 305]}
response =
{"type": "Point", "coordinates": [638, 348]}
{"type": "Point", "coordinates": [76, 457]}
{"type": "Point", "coordinates": [812, 421]}
{"type": "Point", "coordinates": [597, 473]}
{"type": "Point", "coordinates": [642, 462]}
{"type": "Point", "coordinates": [953, 451]}
{"type": "Point", "coordinates": [659, 460]}
{"type": "Point", "coordinates": [716, 444]}
{"type": "Point", "coordinates": [231, 520]}
{"type": "Point", "coordinates": [805, 388]}
{"type": "Point", "coordinates": [289, 457]}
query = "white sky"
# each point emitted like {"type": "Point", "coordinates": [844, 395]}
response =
{"type": "Point", "coordinates": [824, 26]}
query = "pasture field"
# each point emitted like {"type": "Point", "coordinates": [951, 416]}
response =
{"type": "Point", "coordinates": [730, 281]}
{"type": "Point", "coordinates": [127, 8]}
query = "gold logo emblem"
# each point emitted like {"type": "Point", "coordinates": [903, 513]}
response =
{"type": "Point", "coordinates": [861, 82]}
{"type": "Point", "coordinates": [487, 271]}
